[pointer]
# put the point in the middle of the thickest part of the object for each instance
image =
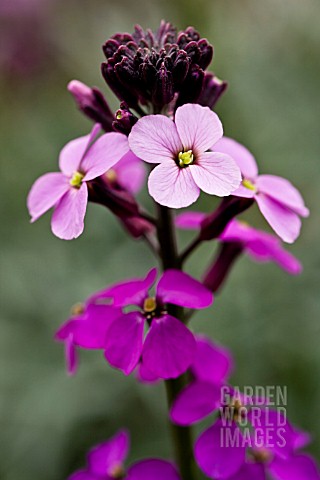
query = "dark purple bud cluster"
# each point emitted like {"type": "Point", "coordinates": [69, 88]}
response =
{"type": "Point", "coordinates": [146, 68]}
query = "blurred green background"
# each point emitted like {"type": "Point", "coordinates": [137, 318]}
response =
{"type": "Point", "coordinates": [269, 52]}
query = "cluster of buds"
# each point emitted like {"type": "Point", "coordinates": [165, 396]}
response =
{"type": "Point", "coordinates": [146, 68]}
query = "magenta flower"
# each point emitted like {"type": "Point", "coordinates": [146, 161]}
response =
{"type": "Point", "coordinates": [80, 161]}
{"type": "Point", "coordinates": [262, 461]}
{"type": "Point", "coordinates": [278, 200]}
{"type": "Point", "coordinates": [87, 328]}
{"type": "Point", "coordinates": [169, 347]}
{"type": "Point", "coordinates": [259, 245]}
{"type": "Point", "coordinates": [181, 148]}
{"type": "Point", "coordinates": [106, 462]}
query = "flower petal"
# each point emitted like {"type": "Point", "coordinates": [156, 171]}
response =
{"type": "Point", "coordinates": [244, 159]}
{"type": "Point", "coordinates": [155, 139]}
{"type": "Point", "coordinates": [199, 127]}
{"type": "Point", "coordinates": [190, 220]}
{"type": "Point", "coordinates": [244, 192]}
{"type": "Point", "coordinates": [281, 190]}
{"type": "Point", "coordinates": [124, 342]}
{"type": "Point", "coordinates": [45, 193]}
{"type": "Point", "coordinates": [131, 292]}
{"type": "Point", "coordinates": [262, 251]}
{"type": "Point", "coordinates": [213, 363]}
{"type": "Point", "coordinates": [216, 456]}
{"type": "Point", "coordinates": [216, 174]}
{"type": "Point", "coordinates": [131, 172]}
{"type": "Point", "coordinates": [104, 154]}
{"type": "Point", "coordinates": [178, 288]}
{"type": "Point", "coordinates": [169, 347]}
{"type": "Point", "coordinates": [152, 469]}
{"type": "Point", "coordinates": [68, 217]}
{"type": "Point", "coordinates": [298, 467]}
{"type": "Point", "coordinates": [250, 471]}
{"type": "Point", "coordinates": [71, 356]}
{"type": "Point", "coordinates": [172, 186]}
{"type": "Point", "coordinates": [71, 155]}
{"type": "Point", "coordinates": [107, 455]}
{"type": "Point", "coordinates": [195, 402]}
{"type": "Point", "coordinates": [91, 331]}
{"type": "Point", "coordinates": [284, 222]}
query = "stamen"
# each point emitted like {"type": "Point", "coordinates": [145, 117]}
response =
{"type": "Point", "coordinates": [248, 184]}
{"type": "Point", "coordinates": [185, 158]}
{"type": "Point", "coordinates": [149, 305]}
{"type": "Point", "coordinates": [76, 179]}
{"type": "Point", "coordinates": [77, 309]}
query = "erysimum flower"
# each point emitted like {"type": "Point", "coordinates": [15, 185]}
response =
{"type": "Point", "coordinates": [169, 347]}
{"type": "Point", "coordinates": [80, 161]}
{"type": "Point", "coordinates": [87, 328]}
{"type": "Point", "coordinates": [278, 200]}
{"type": "Point", "coordinates": [181, 148]}
{"type": "Point", "coordinates": [106, 462]}
{"type": "Point", "coordinates": [259, 245]}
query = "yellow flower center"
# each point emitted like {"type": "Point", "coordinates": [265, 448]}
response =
{"type": "Point", "coordinates": [111, 175]}
{"type": "Point", "coordinates": [185, 158]}
{"type": "Point", "coordinates": [76, 179]}
{"type": "Point", "coordinates": [248, 184]}
{"type": "Point", "coordinates": [149, 305]}
{"type": "Point", "coordinates": [116, 471]}
{"type": "Point", "coordinates": [262, 455]}
{"type": "Point", "coordinates": [77, 309]}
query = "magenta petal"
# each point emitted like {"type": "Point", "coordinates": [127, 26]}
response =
{"type": "Point", "coordinates": [195, 402]}
{"type": "Point", "coordinates": [145, 376]}
{"type": "Point", "coordinates": [45, 193]}
{"type": "Point", "coordinates": [263, 251]}
{"type": "Point", "coordinates": [91, 332]}
{"type": "Point", "coordinates": [131, 292]}
{"type": "Point", "coordinates": [72, 361]}
{"type": "Point", "coordinates": [124, 342]}
{"type": "Point", "coordinates": [68, 217]}
{"type": "Point", "coordinates": [71, 155]}
{"type": "Point", "coordinates": [244, 159]}
{"type": "Point", "coordinates": [180, 289]}
{"type": "Point", "coordinates": [250, 471]}
{"type": "Point", "coordinates": [272, 431]}
{"type": "Point", "coordinates": [131, 172]}
{"type": "Point", "coordinates": [103, 154]}
{"type": "Point", "coordinates": [298, 467]}
{"type": "Point", "coordinates": [284, 222]}
{"type": "Point", "coordinates": [212, 363]}
{"type": "Point", "coordinates": [173, 186]}
{"type": "Point", "coordinates": [169, 347]}
{"type": "Point", "coordinates": [190, 220]}
{"type": "Point", "coordinates": [104, 457]}
{"type": "Point", "coordinates": [216, 173]}
{"type": "Point", "coordinates": [155, 139]}
{"type": "Point", "coordinates": [281, 190]}
{"type": "Point", "coordinates": [152, 469]}
{"type": "Point", "coordinates": [300, 439]}
{"type": "Point", "coordinates": [199, 127]}
{"type": "Point", "coordinates": [216, 458]}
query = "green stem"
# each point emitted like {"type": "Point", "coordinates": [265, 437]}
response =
{"type": "Point", "coordinates": [182, 436]}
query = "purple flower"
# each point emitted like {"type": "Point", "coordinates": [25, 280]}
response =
{"type": "Point", "coordinates": [278, 200]}
{"type": "Point", "coordinates": [181, 149]}
{"type": "Point", "coordinates": [220, 460]}
{"type": "Point", "coordinates": [169, 347]}
{"type": "Point", "coordinates": [87, 328]}
{"type": "Point", "coordinates": [259, 245]}
{"type": "Point", "coordinates": [106, 462]}
{"type": "Point", "coordinates": [81, 161]}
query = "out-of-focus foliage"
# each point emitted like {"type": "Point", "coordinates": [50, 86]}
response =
{"type": "Point", "coordinates": [269, 52]}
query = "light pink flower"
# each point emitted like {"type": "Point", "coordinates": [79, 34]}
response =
{"type": "Point", "coordinates": [181, 150]}
{"type": "Point", "coordinates": [81, 160]}
{"type": "Point", "coordinates": [278, 200]}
